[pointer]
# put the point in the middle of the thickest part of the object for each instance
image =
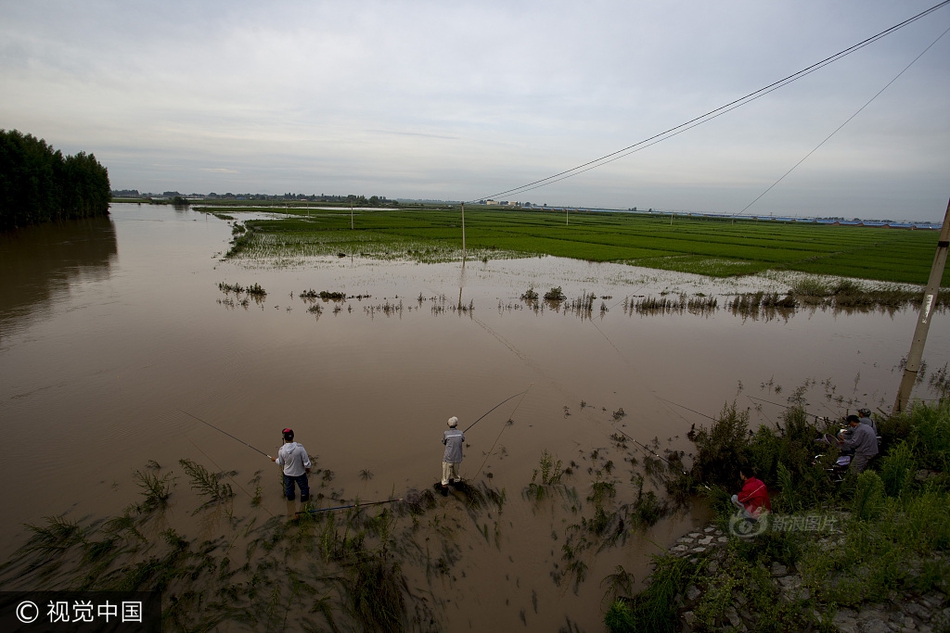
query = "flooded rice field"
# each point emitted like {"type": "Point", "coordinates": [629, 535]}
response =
{"type": "Point", "coordinates": [122, 341]}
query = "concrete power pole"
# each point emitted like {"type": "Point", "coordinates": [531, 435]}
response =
{"type": "Point", "coordinates": [923, 320]}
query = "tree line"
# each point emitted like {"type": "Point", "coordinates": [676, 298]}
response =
{"type": "Point", "coordinates": [39, 184]}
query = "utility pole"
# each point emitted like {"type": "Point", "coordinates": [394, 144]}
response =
{"type": "Point", "coordinates": [923, 320]}
{"type": "Point", "coordinates": [463, 234]}
{"type": "Point", "coordinates": [351, 217]}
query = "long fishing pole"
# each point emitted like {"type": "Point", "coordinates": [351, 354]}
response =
{"type": "Point", "coordinates": [493, 408]}
{"type": "Point", "coordinates": [228, 434]}
{"type": "Point", "coordinates": [351, 505]}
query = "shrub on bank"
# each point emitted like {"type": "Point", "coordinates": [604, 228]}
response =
{"type": "Point", "coordinates": [890, 541]}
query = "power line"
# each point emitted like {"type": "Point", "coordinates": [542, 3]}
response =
{"type": "Point", "coordinates": [838, 129]}
{"type": "Point", "coordinates": [712, 114]}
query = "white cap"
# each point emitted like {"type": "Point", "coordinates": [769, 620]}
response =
{"type": "Point", "coordinates": [453, 422]}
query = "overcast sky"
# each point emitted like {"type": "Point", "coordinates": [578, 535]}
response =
{"type": "Point", "coordinates": [462, 100]}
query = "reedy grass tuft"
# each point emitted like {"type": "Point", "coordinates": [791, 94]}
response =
{"type": "Point", "coordinates": [155, 489]}
{"type": "Point", "coordinates": [655, 608]}
{"type": "Point", "coordinates": [206, 483]}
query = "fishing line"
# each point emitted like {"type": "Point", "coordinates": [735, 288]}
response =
{"type": "Point", "coordinates": [611, 343]}
{"type": "Point", "coordinates": [503, 427]}
{"type": "Point", "coordinates": [758, 409]}
{"type": "Point", "coordinates": [344, 507]}
{"type": "Point", "coordinates": [630, 366]}
{"type": "Point", "coordinates": [511, 347]}
{"type": "Point", "coordinates": [208, 457]}
{"type": "Point", "coordinates": [709, 417]}
{"type": "Point", "coordinates": [557, 386]}
{"type": "Point", "coordinates": [651, 452]}
{"type": "Point", "coordinates": [228, 434]}
{"type": "Point", "coordinates": [651, 391]}
{"type": "Point", "coordinates": [833, 412]}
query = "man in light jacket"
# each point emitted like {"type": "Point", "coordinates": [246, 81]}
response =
{"type": "Point", "coordinates": [453, 439]}
{"type": "Point", "coordinates": [293, 457]}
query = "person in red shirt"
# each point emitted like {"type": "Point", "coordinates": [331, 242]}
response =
{"type": "Point", "coordinates": [753, 499]}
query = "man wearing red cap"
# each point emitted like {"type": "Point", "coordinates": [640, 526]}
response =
{"type": "Point", "coordinates": [293, 457]}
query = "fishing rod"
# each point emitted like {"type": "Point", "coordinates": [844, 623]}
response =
{"type": "Point", "coordinates": [229, 435]}
{"type": "Point", "coordinates": [351, 505]}
{"type": "Point", "coordinates": [493, 408]}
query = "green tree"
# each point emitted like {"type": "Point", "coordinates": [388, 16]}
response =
{"type": "Point", "coordinates": [38, 184]}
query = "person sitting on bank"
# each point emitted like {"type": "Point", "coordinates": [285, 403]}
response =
{"type": "Point", "coordinates": [864, 417]}
{"type": "Point", "coordinates": [863, 442]}
{"type": "Point", "coordinates": [753, 500]}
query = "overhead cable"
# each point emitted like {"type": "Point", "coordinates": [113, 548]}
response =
{"type": "Point", "coordinates": [838, 129]}
{"type": "Point", "coordinates": [712, 114]}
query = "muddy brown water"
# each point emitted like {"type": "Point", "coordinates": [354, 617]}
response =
{"type": "Point", "coordinates": [111, 329]}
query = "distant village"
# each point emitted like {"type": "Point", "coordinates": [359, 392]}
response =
{"type": "Point", "coordinates": [382, 201]}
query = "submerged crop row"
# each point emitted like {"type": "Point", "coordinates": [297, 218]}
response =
{"type": "Point", "coordinates": [704, 246]}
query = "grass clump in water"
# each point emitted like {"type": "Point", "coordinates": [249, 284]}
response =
{"type": "Point", "coordinates": [550, 472]}
{"type": "Point", "coordinates": [156, 489]}
{"type": "Point", "coordinates": [206, 483]}
{"type": "Point", "coordinates": [555, 295]}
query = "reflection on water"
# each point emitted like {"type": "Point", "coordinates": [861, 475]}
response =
{"type": "Point", "coordinates": [38, 264]}
{"type": "Point", "coordinates": [144, 330]}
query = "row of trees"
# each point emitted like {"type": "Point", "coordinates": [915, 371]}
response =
{"type": "Point", "coordinates": [39, 184]}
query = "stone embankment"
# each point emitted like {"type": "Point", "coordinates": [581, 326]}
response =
{"type": "Point", "coordinates": [927, 613]}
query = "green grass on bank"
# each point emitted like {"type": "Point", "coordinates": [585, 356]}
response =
{"type": "Point", "coordinates": [882, 537]}
{"type": "Point", "coordinates": [707, 246]}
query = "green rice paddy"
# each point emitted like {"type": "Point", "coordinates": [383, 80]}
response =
{"type": "Point", "coordinates": [707, 246]}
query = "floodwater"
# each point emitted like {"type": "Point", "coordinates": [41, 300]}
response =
{"type": "Point", "coordinates": [114, 332]}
